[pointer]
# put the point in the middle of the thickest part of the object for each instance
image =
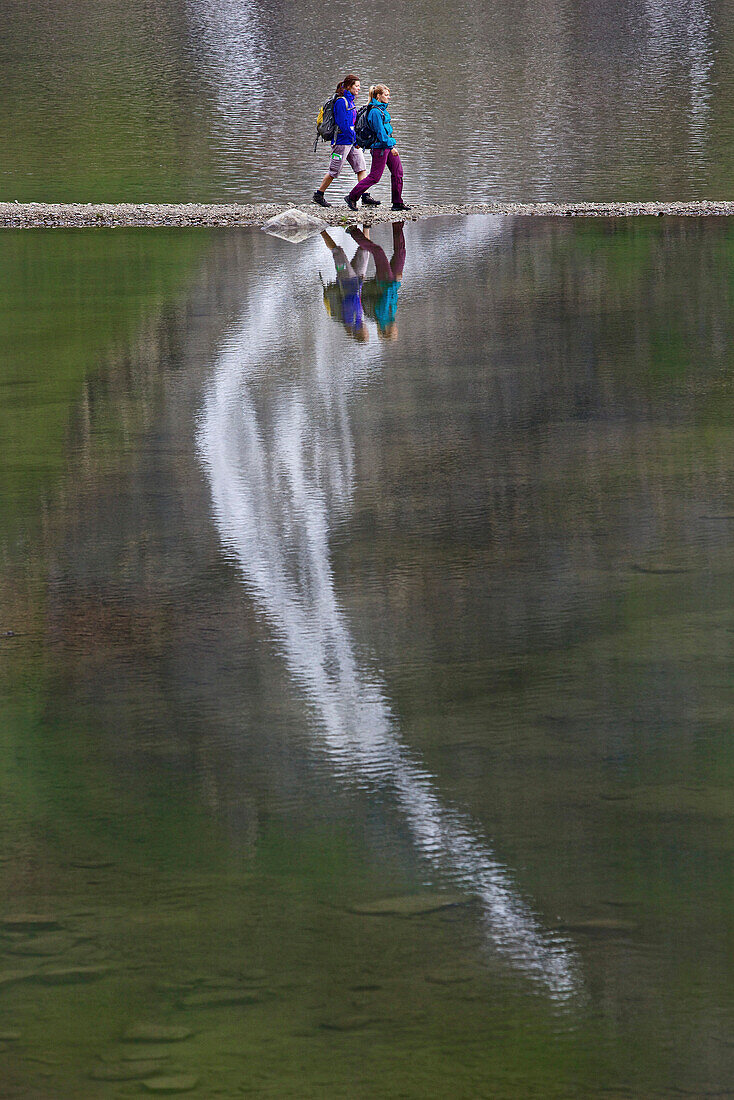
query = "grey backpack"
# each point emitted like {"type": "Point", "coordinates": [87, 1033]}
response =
{"type": "Point", "coordinates": [325, 124]}
{"type": "Point", "coordinates": [366, 135]}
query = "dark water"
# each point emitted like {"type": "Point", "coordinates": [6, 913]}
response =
{"type": "Point", "coordinates": [216, 99]}
{"type": "Point", "coordinates": [367, 708]}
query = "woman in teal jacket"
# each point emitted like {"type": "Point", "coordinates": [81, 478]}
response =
{"type": "Point", "coordinates": [384, 151]}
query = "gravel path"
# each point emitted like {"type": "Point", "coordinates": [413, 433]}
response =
{"type": "Point", "coordinates": [40, 214]}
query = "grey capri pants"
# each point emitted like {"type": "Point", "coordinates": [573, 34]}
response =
{"type": "Point", "coordinates": [351, 153]}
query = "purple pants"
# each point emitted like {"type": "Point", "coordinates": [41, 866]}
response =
{"type": "Point", "coordinates": [380, 158]}
{"type": "Point", "coordinates": [391, 272]}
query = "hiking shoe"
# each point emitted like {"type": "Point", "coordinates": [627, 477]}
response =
{"type": "Point", "coordinates": [320, 198]}
{"type": "Point", "coordinates": [401, 206]}
{"type": "Point", "coordinates": [351, 203]}
{"type": "Point", "coordinates": [367, 200]}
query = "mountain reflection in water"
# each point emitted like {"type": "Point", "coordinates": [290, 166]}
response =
{"type": "Point", "coordinates": [279, 455]}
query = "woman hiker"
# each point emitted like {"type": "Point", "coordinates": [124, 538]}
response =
{"type": "Point", "coordinates": [384, 152]}
{"type": "Point", "coordinates": [343, 299]}
{"type": "Point", "coordinates": [343, 143]}
{"type": "Point", "coordinates": [380, 294]}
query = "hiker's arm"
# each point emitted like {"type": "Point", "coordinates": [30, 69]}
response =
{"type": "Point", "coordinates": [378, 124]}
{"type": "Point", "coordinates": [341, 115]}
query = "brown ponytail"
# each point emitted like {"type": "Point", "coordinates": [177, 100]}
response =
{"type": "Point", "coordinates": [346, 83]}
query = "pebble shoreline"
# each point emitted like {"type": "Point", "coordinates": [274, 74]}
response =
{"type": "Point", "coordinates": [28, 215]}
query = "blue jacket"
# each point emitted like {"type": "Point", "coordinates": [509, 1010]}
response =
{"type": "Point", "coordinates": [344, 115]}
{"type": "Point", "coordinates": [381, 123]}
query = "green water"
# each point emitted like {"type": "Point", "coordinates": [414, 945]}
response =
{"type": "Point", "coordinates": [298, 624]}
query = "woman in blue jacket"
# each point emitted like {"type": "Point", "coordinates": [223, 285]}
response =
{"type": "Point", "coordinates": [343, 144]}
{"type": "Point", "coordinates": [384, 151]}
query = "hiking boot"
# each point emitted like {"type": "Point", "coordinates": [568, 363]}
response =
{"type": "Point", "coordinates": [367, 200]}
{"type": "Point", "coordinates": [401, 206]}
{"type": "Point", "coordinates": [351, 203]}
{"type": "Point", "coordinates": [320, 198]}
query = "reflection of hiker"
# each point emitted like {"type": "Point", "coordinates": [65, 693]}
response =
{"type": "Point", "coordinates": [384, 151]}
{"type": "Point", "coordinates": [343, 143]}
{"type": "Point", "coordinates": [343, 299]}
{"type": "Point", "coordinates": [380, 294]}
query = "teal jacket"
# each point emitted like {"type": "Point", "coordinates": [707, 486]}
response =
{"type": "Point", "coordinates": [387, 304]}
{"type": "Point", "coordinates": [379, 119]}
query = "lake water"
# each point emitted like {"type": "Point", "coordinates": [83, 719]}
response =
{"type": "Point", "coordinates": [167, 100]}
{"type": "Point", "coordinates": [366, 690]}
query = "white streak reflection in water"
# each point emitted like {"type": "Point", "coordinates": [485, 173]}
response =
{"type": "Point", "coordinates": [278, 455]}
{"type": "Point", "coordinates": [230, 47]}
{"type": "Point", "coordinates": [680, 33]}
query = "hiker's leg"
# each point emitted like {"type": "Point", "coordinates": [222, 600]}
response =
{"type": "Point", "coordinates": [395, 166]}
{"type": "Point", "coordinates": [382, 267]}
{"type": "Point", "coordinates": [360, 259]}
{"type": "Point", "coordinates": [379, 156]}
{"type": "Point", "coordinates": [396, 175]}
{"type": "Point", "coordinates": [381, 264]}
{"type": "Point", "coordinates": [343, 265]}
{"type": "Point", "coordinates": [358, 163]}
{"type": "Point", "coordinates": [397, 263]}
{"type": "Point", "coordinates": [335, 165]}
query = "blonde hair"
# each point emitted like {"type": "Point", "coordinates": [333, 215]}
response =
{"type": "Point", "coordinates": [378, 89]}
